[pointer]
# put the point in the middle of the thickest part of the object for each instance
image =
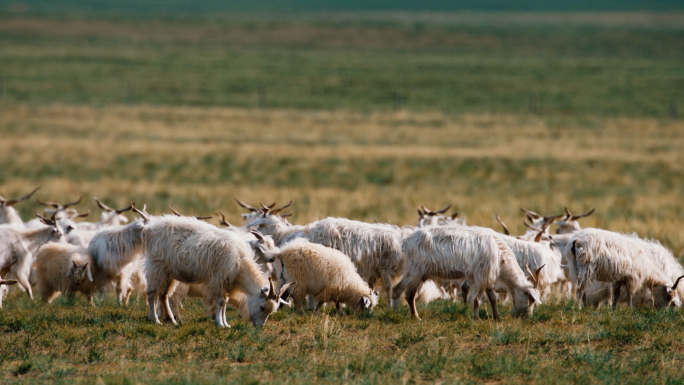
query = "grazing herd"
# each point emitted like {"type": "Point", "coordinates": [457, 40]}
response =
{"type": "Point", "coordinates": [269, 262]}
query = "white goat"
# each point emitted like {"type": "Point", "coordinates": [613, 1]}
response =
{"type": "Point", "coordinates": [8, 214]}
{"type": "Point", "coordinates": [109, 217]}
{"type": "Point", "coordinates": [625, 261]}
{"type": "Point", "coordinates": [475, 254]}
{"type": "Point", "coordinates": [189, 250]}
{"type": "Point", "coordinates": [20, 246]}
{"type": "Point", "coordinates": [325, 274]}
{"type": "Point", "coordinates": [570, 223]}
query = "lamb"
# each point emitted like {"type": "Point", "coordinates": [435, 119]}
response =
{"type": "Point", "coordinates": [625, 261]}
{"type": "Point", "coordinates": [17, 248]}
{"type": "Point", "coordinates": [65, 268]}
{"type": "Point", "coordinates": [191, 251]}
{"type": "Point", "coordinates": [113, 248]}
{"type": "Point", "coordinates": [4, 283]}
{"type": "Point", "coordinates": [8, 214]}
{"type": "Point", "coordinates": [475, 254]}
{"type": "Point", "coordinates": [325, 274]}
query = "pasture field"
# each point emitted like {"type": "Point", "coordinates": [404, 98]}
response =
{"type": "Point", "coordinates": [364, 166]}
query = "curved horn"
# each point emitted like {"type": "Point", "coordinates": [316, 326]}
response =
{"type": "Point", "coordinates": [279, 209]}
{"type": "Point", "coordinates": [143, 214]}
{"type": "Point", "coordinates": [222, 219]}
{"type": "Point", "coordinates": [530, 226]}
{"type": "Point", "coordinates": [82, 215]}
{"type": "Point", "coordinates": [25, 197]}
{"type": "Point", "coordinates": [585, 214]}
{"type": "Point", "coordinates": [505, 228]}
{"type": "Point", "coordinates": [534, 281]}
{"type": "Point", "coordinates": [426, 210]}
{"type": "Point", "coordinates": [66, 205]}
{"type": "Point", "coordinates": [50, 204]}
{"type": "Point", "coordinates": [245, 205]}
{"type": "Point", "coordinates": [284, 288]}
{"type": "Point", "coordinates": [265, 207]}
{"type": "Point", "coordinates": [420, 213]}
{"type": "Point", "coordinates": [119, 211]}
{"type": "Point", "coordinates": [102, 205]}
{"type": "Point", "coordinates": [202, 218]}
{"type": "Point", "coordinates": [442, 211]}
{"type": "Point", "coordinates": [530, 213]}
{"type": "Point", "coordinates": [271, 289]}
{"type": "Point", "coordinates": [568, 214]}
{"type": "Point", "coordinates": [286, 215]}
{"type": "Point", "coordinates": [175, 212]}
{"type": "Point", "coordinates": [536, 273]}
{"type": "Point", "coordinates": [258, 235]}
{"type": "Point", "coordinates": [674, 287]}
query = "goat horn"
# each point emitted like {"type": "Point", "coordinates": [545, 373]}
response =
{"type": "Point", "coordinates": [284, 288]}
{"type": "Point", "coordinates": [505, 228]}
{"type": "Point", "coordinates": [568, 215]}
{"type": "Point", "coordinates": [17, 200]}
{"type": "Point", "coordinates": [102, 205]}
{"type": "Point", "coordinates": [52, 204]}
{"type": "Point", "coordinates": [258, 235]}
{"type": "Point", "coordinates": [119, 211]}
{"type": "Point", "coordinates": [271, 290]}
{"type": "Point", "coordinates": [143, 214]}
{"type": "Point", "coordinates": [442, 211]}
{"type": "Point", "coordinates": [425, 210]}
{"type": "Point", "coordinates": [585, 214]}
{"type": "Point", "coordinates": [534, 280]}
{"type": "Point", "coordinates": [455, 215]}
{"type": "Point", "coordinates": [279, 209]}
{"type": "Point", "coordinates": [531, 213]}
{"type": "Point", "coordinates": [530, 226]}
{"type": "Point", "coordinates": [222, 219]}
{"type": "Point", "coordinates": [83, 215]}
{"type": "Point", "coordinates": [6, 269]}
{"type": "Point", "coordinates": [203, 218]}
{"type": "Point", "coordinates": [288, 215]}
{"type": "Point", "coordinates": [66, 205]}
{"type": "Point", "coordinates": [674, 287]}
{"type": "Point", "coordinates": [175, 212]}
{"type": "Point", "coordinates": [245, 205]}
{"type": "Point", "coordinates": [420, 213]}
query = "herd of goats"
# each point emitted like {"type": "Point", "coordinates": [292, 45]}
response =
{"type": "Point", "coordinates": [334, 260]}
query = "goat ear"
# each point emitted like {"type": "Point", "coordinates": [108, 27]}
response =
{"type": "Point", "coordinates": [537, 272]}
{"type": "Point", "coordinates": [534, 296]}
{"type": "Point", "coordinates": [286, 303]}
{"type": "Point", "coordinates": [8, 281]}
{"type": "Point", "coordinates": [90, 276]}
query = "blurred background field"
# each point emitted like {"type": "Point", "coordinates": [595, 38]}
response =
{"type": "Point", "coordinates": [356, 109]}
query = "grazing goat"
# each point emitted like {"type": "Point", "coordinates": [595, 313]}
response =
{"type": "Point", "coordinates": [475, 254]}
{"type": "Point", "coordinates": [622, 260]}
{"type": "Point", "coordinates": [325, 274]}
{"type": "Point", "coordinates": [191, 251]}
{"type": "Point", "coordinates": [8, 214]}
{"type": "Point", "coordinates": [65, 268]}
{"type": "Point", "coordinates": [109, 217]}
{"type": "Point", "coordinates": [4, 283]}
{"type": "Point", "coordinates": [18, 247]}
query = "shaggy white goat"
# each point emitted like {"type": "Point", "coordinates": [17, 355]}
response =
{"type": "Point", "coordinates": [570, 223]}
{"type": "Point", "coordinates": [8, 214]}
{"type": "Point", "coordinates": [18, 247]}
{"type": "Point", "coordinates": [625, 261]}
{"type": "Point", "coordinates": [189, 250]}
{"type": "Point", "coordinates": [475, 254]}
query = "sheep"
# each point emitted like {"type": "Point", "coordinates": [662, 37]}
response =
{"type": "Point", "coordinates": [191, 251]}
{"type": "Point", "coordinates": [325, 274]}
{"type": "Point", "coordinates": [65, 268]}
{"type": "Point", "coordinates": [21, 245]}
{"type": "Point", "coordinates": [113, 248]}
{"type": "Point", "coordinates": [475, 254]}
{"type": "Point", "coordinates": [8, 214]}
{"type": "Point", "coordinates": [624, 261]}
{"type": "Point", "coordinates": [570, 223]}
{"type": "Point", "coordinates": [4, 283]}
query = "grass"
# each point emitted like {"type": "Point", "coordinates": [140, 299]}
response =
{"type": "Point", "coordinates": [614, 64]}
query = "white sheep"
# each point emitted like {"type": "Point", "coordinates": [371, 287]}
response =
{"type": "Point", "coordinates": [622, 260]}
{"type": "Point", "coordinates": [475, 254]}
{"type": "Point", "coordinates": [191, 251]}
{"type": "Point", "coordinates": [325, 274]}
{"type": "Point", "coordinates": [65, 268]}
{"type": "Point", "coordinates": [20, 246]}
{"type": "Point", "coordinates": [8, 214]}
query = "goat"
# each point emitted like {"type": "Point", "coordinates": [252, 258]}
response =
{"type": "Point", "coordinates": [325, 274]}
{"type": "Point", "coordinates": [624, 261]}
{"type": "Point", "coordinates": [570, 223]}
{"type": "Point", "coordinates": [4, 283]}
{"type": "Point", "coordinates": [65, 268]}
{"type": "Point", "coordinates": [8, 214]}
{"type": "Point", "coordinates": [191, 251]}
{"type": "Point", "coordinates": [21, 245]}
{"type": "Point", "coordinates": [475, 254]}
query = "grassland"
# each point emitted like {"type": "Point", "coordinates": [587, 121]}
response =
{"type": "Point", "coordinates": [125, 102]}
{"type": "Point", "coordinates": [364, 166]}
